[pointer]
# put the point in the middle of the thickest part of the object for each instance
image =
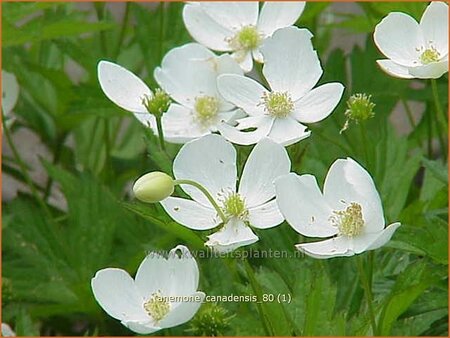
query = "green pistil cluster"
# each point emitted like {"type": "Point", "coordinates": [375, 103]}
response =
{"type": "Point", "coordinates": [247, 39]}
{"type": "Point", "coordinates": [430, 55]}
{"type": "Point", "coordinates": [206, 108]}
{"type": "Point", "coordinates": [157, 307]}
{"type": "Point", "coordinates": [359, 108]}
{"type": "Point", "coordinates": [278, 104]}
{"type": "Point", "coordinates": [350, 221]}
{"type": "Point", "coordinates": [234, 206]}
{"type": "Point", "coordinates": [212, 321]}
{"type": "Point", "coordinates": [158, 104]}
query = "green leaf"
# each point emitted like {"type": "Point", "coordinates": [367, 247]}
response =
{"type": "Point", "coordinates": [173, 228]}
{"type": "Point", "coordinates": [35, 31]}
{"type": "Point", "coordinates": [408, 287]}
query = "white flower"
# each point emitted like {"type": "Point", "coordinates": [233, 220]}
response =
{"type": "Point", "coordinates": [163, 294]}
{"type": "Point", "coordinates": [415, 50]}
{"type": "Point", "coordinates": [189, 75]}
{"type": "Point", "coordinates": [10, 93]}
{"type": "Point", "coordinates": [349, 209]}
{"type": "Point", "coordinates": [6, 329]}
{"type": "Point", "coordinates": [211, 161]}
{"type": "Point", "coordinates": [126, 90]}
{"type": "Point", "coordinates": [237, 27]}
{"type": "Point", "coordinates": [292, 69]}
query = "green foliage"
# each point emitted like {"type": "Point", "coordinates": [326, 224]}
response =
{"type": "Point", "coordinates": [51, 251]}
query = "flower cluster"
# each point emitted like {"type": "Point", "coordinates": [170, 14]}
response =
{"type": "Point", "coordinates": [207, 102]}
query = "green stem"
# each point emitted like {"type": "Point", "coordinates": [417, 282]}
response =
{"type": "Point", "coordinates": [362, 128]}
{"type": "Point", "coordinates": [442, 117]}
{"type": "Point", "coordinates": [107, 141]}
{"type": "Point", "coordinates": [161, 29]}
{"type": "Point", "coordinates": [368, 292]}
{"type": "Point", "coordinates": [23, 169]}
{"type": "Point", "coordinates": [160, 133]}
{"type": "Point", "coordinates": [207, 194]}
{"type": "Point", "coordinates": [123, 29]}
{"type": "Point", "coordinates": [257, 290]}
{"type": "Point", "coordinates": [442, 125]}
{"type": "Point", "coordinates": [99, 10]}
{"type": "Point", "coordinates": [57, 154]}
{"type": "Point", "coordinates": [409, 114]}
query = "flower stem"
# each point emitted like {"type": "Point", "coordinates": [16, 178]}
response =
{"type": "Point", "coordinates": [362, 128]}
{"type": "Point", "coordinates": [162, 145]}
{"type": "Point", "coordinates": [207, 194]}
{"type": "Point", "coordinates": [23, 169]}
{"type": "Point", "coordinates": [440, 112]}
{"type": "Point", "coordinates": [441, 116]}
{"type": "Point", "coordinates": [123, 28]}
{"type": "Point", "coordinates": [257, 290]}
{"type": "Point", "coordinates": [409, 114]}
{"type": "Point", "coordinates": [368, 292]}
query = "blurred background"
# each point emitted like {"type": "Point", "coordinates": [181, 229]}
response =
{"type": "Point", "coordinates": [69, 157]}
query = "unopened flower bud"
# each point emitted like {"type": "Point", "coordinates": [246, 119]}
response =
{"type": "Point", "coordinates": [212, 320]}
{"type": "Point", "coordinates": [359, 108]}
{"type": "Point", "coordinates": [158, 104]}
{"type": "Point", "coordinates": [153, 187]}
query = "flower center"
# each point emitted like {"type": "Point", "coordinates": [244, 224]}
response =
{"type": "Point", "coordinates": [247, 38]}
{"type": "Point", "coordinates": [349, 221]}
{"type": "Point", "coordinates": [234, 206]}
{"type": "Point", "coordinates": [157, 307]}
{"type": "Point", "coordinates": [429, 55]}
{"type": "Point", "coordinates": [278, 104]}
{"type": "Point", "coordinates": [206, 108]}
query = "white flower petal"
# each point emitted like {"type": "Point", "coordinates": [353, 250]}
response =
{"type": "Point", "coordinates": [156, 273]}
{"type": "Point", "coordinates": [6, 329]}
{"type": "Point", "coordinates": [180, 126]}
{"type": "Point", "coordinates": [209, 161]}
{"type": "Point", "coordinates": [118, 295]}
{"type": "Point", "coordinates": [251, 122]}
{"type": "Point", "coordinates": [245, 60]}
{"type": "Point", "coordinates": [122, 87]}
{"type": "Point", "coordinates": [265, 216]}
{"type": "Point", "coordinates": [432, 70]}
{"type": "Point", "coordinates": [372, 241]}
{"type": "Point", "coordinates": [188, 79]}
{"type": "Point", "coordinates": [257, 56]}
{"type": "Point", "coordinates": [434, 24]}
{"type": "Point", "coordinates": [333, 247]}
{"type": "Point", "coordinates": [141, 327]}
{"type": "Point", "coordinates": [398, 36]}
{"type": "Point", "coordinates": [233, 134]}
{"type": "Point", "coordinates": [190, 213]}
{"type": "Point", "coordinates": [233, 235]}
{"type": "Point", "coordinates": [10, 92]}
{"type": "Point", "coordinates": [225, 64]}
{"type": "Point", "coordinates": [384, 236]}
{"type": "Point", "coordinates": [394, 69]}
{"type": "Point", "coordinates": [243, 92]}
{"type": "Point", "coordinates": [232, 15]}
{"type": "Point", "coordinates": [267, 161]}
{"type": "Point", "coordinates": [183, 312]}
{"type": "Point", "coordinates": [303, 205]}
{"type": "Point", "coordinates": [287, 131]}
{"type": "Point", "coordinates": [290, 62]}
{"type": "Point", "coordinates": [279, 14]}
{"type": "Point", "coordinates": [348, 182]}
{"type": "Point", "coordinates": [318, 103]}
{"type": "Point", "coordinates": [147, 120]}
{"type": "Point", "coordinates": [204, 29]}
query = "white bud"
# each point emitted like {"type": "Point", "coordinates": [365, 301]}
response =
{"type": "Point", "coordinates": [153, 187]}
